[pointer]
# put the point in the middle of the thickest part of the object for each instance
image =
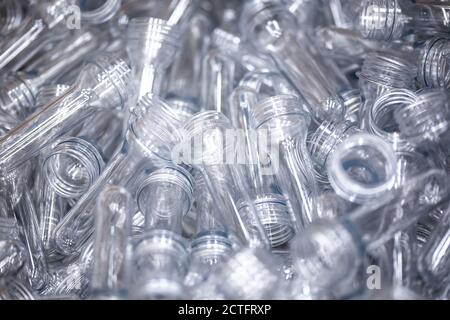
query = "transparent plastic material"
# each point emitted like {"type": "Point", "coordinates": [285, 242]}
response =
{"type": "Point", "coordinates": [110, 255]}
{"type": "Point", "coordinates": [434, 256]}
{"type": "Point", "coordinates": [271, 206]}
{"type": "Point", "coordinates": [353, 104]}
{"type": "Point", "coordinates": [271, 28]}
{"type": "Point", "coordinates": [249, 274]}
{"type": "Point", "coordinates": [241, 52]}
{"type": "Point", "coordinates": [362, 168]}
{"type": "Point", "coordinates": [434, 60]}
{"type": "Point", "coordinates": [175, 185]}
{"type": "Point", "coordinates": [343, 45]}
{"type": "Point", "coordinates": [214, 238]}
{"type": "Point", "coordinates": [70, 277]}
{"type": "Point", "coordinates": [286, 122]}
{"type": "Point", "coordinates": [382, 72]}
{"type": "Point", "coordinates": [409, 164]}
{"type": "Point", "coordinates": [160, 260]}
{"type": "Point", "coordinates": [101, 84]}
{"type": "Point", "coordinates": [391, 20]}
{"type": "Point", "coordinates": [217, 81]}
{"type": "Point", "coordinates": [36, 29]}
{"type": "Point", "coordinates": [13, 289]}
{"type": "Point", "coordinates": [13, 13]}
{"type": "Point", "coordinates": [226, 181]}
{"type": "Point", "coordinates": [306, 11]}
{"type": "Point", "coordinates": [151, 45]}
{"type": "Point", "coordinates": [150, 137]}
{"type": "Point", "coordinates": [326, 138]}
{"type": "Point", "coordinates": [342, 242]}
{"type": "Point", "coordinates": [382, 123]}
{"type": "Point", "coordinates": [74, 163]}
{"type": "Point", "coordinates": [13, 253]}
{"type": "Point", "coordinates": [265, 84]}
{"type": "Point", "coordinates": [425, 121]}
{"type": "Point", "coordinates": [98, 11]}
{"type": "Point", "coordinates": [19, 91]}
{"type": "Point", "coordinates": [51, 209]}
{"type": "Point", "coordinates": [331, 206]}
{"type": "Point", "coordinates": [185, 72]}
{"type": "Point", "coordinates": [36, 269]}
{"type": "Point", "coordinates": [204, 149]}
{"type": "Point", "coordinates": [50, 206]}
{"type": "Point", "coordinates": [426, 226]}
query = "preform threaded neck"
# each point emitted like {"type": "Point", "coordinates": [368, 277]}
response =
{"type": "Point", "coordinates": [326, 253]}
{"type": "Point", "coordinates": [176, 176]}
{"type": "Point", "coordinates": [388, 70]}
{"type": "Point", "coordinates": [249, 274]}
{"type": "Point", "coordinates": [427, 225]}
{"type": "Point", "coordinates": [426, 119]}
{"type": "Point", "coordinates": [18, 96]}
{"type": "Point", "coordinates": [409, 164]}
{"type": "Point", "coordinates": [225, 41]}
{"type": "Point", "coordinates": [325, 139]}
{"type": "Point", "coordinates": [108, 78]}
{"type": "Point", "coordinates": [16, 290]}
{"type": "Point", "coordinates": [434, 63]}
{"type": "Point", "coordinates": [162, 241]}
{"type": "Point", "coordinates": [185, 108]}
{"type": "Point", "coordinates": [155, 126]}
{"type": "Point", "coordinates": [205, 120]}
{"type": "Point", "coordinates": [362, 168]}
{"type": "Point", "coordinates": [278, 106]}
{"type": "Point", "coordinates": [13, 253]}
{"type": "Point", "coordinates": [99, 11]}
{"type": "Point", "coordinates": [256, 13]}
{"type": "Point", "coordinates": [154, 30]}
{"type": "Point", "coordinates": [152, 45]}
{"type": "Point", "coordinates": [381, 120]}
{"type": "Point", "coordinates": [206, 139]}
{"type": "Point", "coordinates": [381, 20]}
{"type": "Point", "coordinates": [11, 15]}
{"type": "Point", "coordinates": [160, 283]}
{"type": "Point", "coordinates": [72, 167]}
{"type": "Point", "coordinates": [211, 246]}
{"type": "Point", "coordinates": [273, 212]}
{"type": "Point", "coordinates": [50, 92]}
{"type": "Point", "coordinates": [352, 101]}
{"type": "Point", "coordinates": [9, 229]}
{"type": "Point", "coordinates": [54, 12]}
